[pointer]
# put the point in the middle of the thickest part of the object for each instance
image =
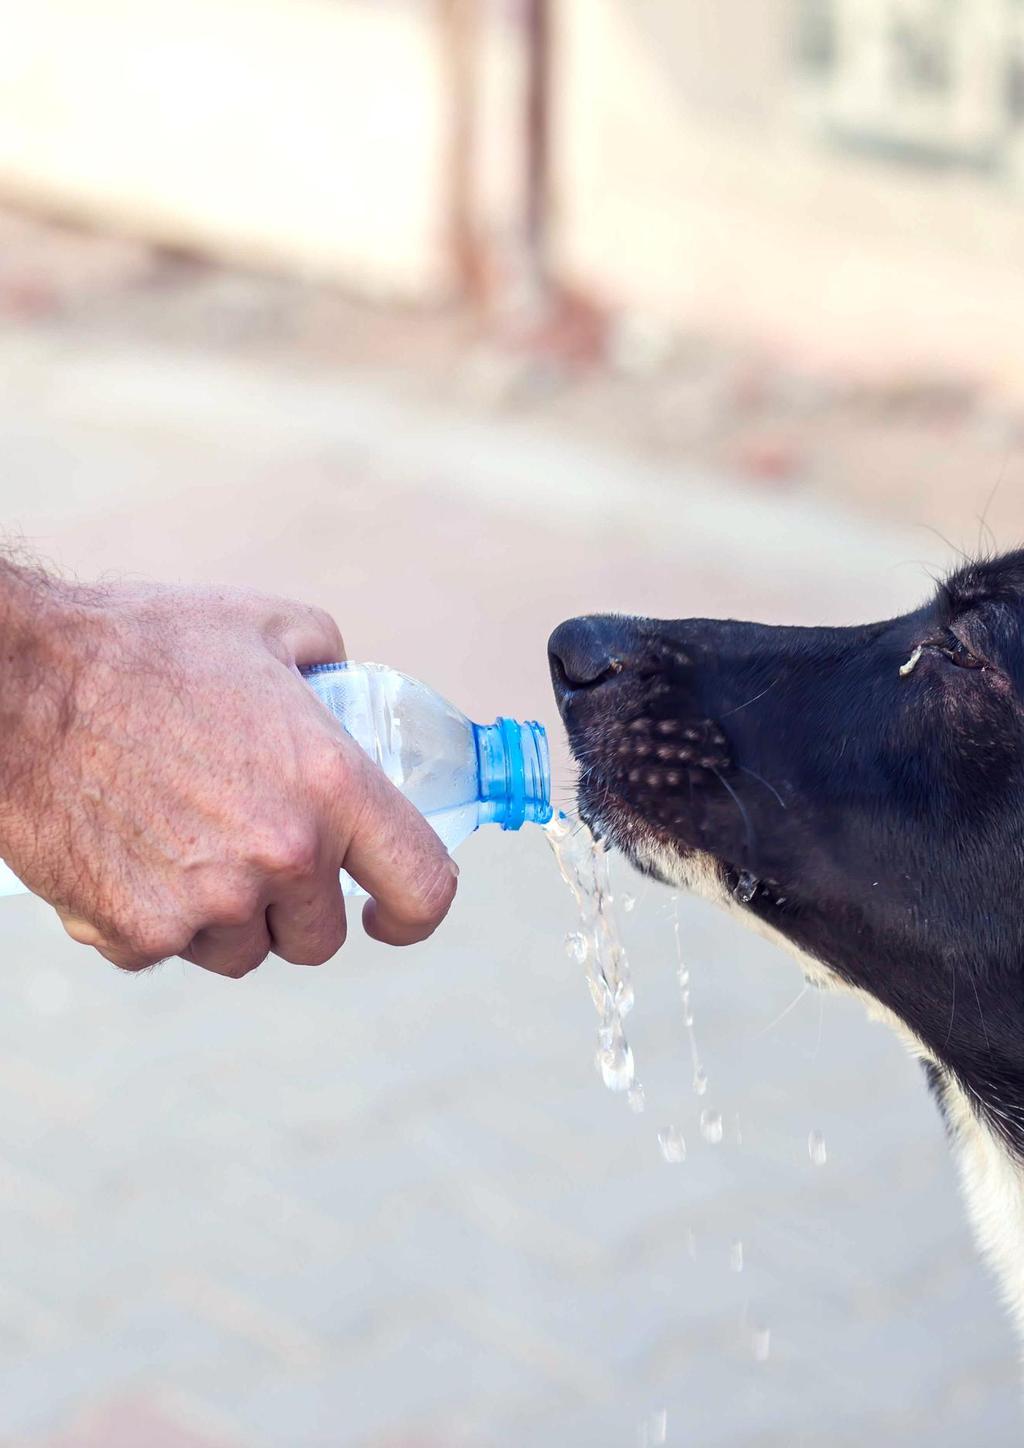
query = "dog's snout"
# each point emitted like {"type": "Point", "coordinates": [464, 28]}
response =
{"type": "Point", "coordinates": [582, 652]}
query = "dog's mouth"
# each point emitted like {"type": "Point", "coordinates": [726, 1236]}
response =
{"type": "Point", "coordinates": [644, 789]}
{"type": "Point", "coordinates": [648, 780]}
{"type": "Point", "coordinates": [658, 778]}
{"type": "Point", "coordinates": [694, 833]}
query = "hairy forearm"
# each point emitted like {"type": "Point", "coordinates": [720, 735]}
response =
{"type": "Point", "coordinates": [41, 619]}
{"type": "Point", "coordinates": [44, 621]}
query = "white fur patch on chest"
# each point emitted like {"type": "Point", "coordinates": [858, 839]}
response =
{"type": "Point", "coordinates": [993, 1185]}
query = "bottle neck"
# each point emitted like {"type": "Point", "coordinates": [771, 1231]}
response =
{"type": "Point", "coordinates": [513, 773]}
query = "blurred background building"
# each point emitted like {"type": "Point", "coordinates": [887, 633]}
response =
{"type": "Point", "coordinates": [460, 317]}
{"type": "Point", "coordinates": [823, 194]}
{"type": "Point", "coordinates": [814, 173]}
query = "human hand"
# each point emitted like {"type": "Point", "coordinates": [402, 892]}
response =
{"type": "Point", "coordinates": [173, 786]}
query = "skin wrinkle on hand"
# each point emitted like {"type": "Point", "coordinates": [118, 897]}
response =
{"type": "Point", "coordinates": [172, 785]}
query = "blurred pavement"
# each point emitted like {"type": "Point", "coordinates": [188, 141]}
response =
{"type": "Point", "coordinates": [389, 1202]}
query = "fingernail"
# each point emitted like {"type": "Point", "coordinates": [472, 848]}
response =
{"type": "Point", "coordinates": [453, 867]}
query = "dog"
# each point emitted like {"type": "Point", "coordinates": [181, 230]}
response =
{"type": "Point", "coordinates": [857, 795]}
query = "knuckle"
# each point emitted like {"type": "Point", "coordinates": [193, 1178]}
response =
{"type": "Point", "coordinates": [339, 765]}
{"type": "Point", "coordinates": [318, 949]}
{"type": "Point", "coordinates": [290, 852]}
{"type": "Point", "coordinates": [244, 965]}
{"type": "Point", "coordinates": [131, 964]}
{"type": "Point", "coordinates": [149, 941]}
{"type": "Point", "coordinates": [233, 906]}
{"type": "Point", "coordinates": [323, 620]}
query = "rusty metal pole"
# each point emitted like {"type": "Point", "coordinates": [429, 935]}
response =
{"type": "Point", "coordinates": [537, 26]}
{"type": "Point", "coordinates": [460, 47]}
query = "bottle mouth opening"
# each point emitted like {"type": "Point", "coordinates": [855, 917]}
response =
{"type": "Point", "coordinates": [515, 772]}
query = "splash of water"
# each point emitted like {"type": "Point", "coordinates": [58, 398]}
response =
{"type": "Point", "coordinates": [673, 1147]}
{"type": "Point", "coordinates": [711, 1126]}
{"type": "Point", "coordinates": [653, 1431]}
{"type": "Point", "coordinates": [583, 862]}
{"type": "Point", "coordinates": [700, 1076]}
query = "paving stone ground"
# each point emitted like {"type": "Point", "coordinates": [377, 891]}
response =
{"type": "Point", "coordinates": [387, 1203]}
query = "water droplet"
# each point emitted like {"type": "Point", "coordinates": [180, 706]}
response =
{"type": "Point", "coordinates": [673, 1147]}
{"type": "Point", "coordinates": [746, 887]}
{"type": "Point", "coordinates": [653, 1431]}
{"type": "Point", "coordinates": [628, 902]}
{"type": "Point", "coordinates": [816, 1149]}
{"type": "Point", "coordinates": [736, 1256]}
{"type": "Point", "coordinates": [624, 997]}
{"type": "Point", "coordinates": [711, 1126]}
{"type": "Point", "coordinates": [615, 1063]}
{"type": "Point", "coordinates": [636, 1097]}
{"type": "Point", "coordinates": [700, 1079]}
{"type": "Point", "coordinates": [762, 1343]}
{"type": "Point", "coordinates": [576, 947]}
{"type": "Point", "coordinates": [687, 1009]}
{"type": "Point", "coordinates": [683, 977]}
{"type": "Point", "coordinates": [600, 994]}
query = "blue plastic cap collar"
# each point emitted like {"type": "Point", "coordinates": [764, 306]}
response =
{"type": "Point", "coordinates": [514, 772]}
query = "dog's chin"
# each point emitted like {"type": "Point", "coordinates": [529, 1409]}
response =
{"type": "Point", "coordinates": [652, 851]}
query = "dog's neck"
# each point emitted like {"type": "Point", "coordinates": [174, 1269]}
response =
{"type": "Point", "coordinates": [991, 1177]}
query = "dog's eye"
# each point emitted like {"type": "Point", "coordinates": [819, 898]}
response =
{"type": "Point", "coordinates": [957, 651]}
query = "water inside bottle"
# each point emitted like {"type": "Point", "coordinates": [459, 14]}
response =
{"type": "Point", "coordinates": [583, 862]}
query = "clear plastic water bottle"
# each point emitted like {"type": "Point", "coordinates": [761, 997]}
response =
{"type": "Point", "coordinates": [458, 774]}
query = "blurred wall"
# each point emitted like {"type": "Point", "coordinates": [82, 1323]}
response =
{"type": "Point", "coordinates": [837, 178]}
{"type": "Point", "coordinates": [705, 174]}
{"type": "Point", "coordinates": [308, 133]}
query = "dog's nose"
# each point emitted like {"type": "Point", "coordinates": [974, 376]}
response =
{"type": "Point", "coordinates": [582, 652]}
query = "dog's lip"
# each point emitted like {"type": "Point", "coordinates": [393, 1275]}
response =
{"type": "Point", "coordinates": [609, 815]}
{"type": "Point", "coordinates": [600, 816]}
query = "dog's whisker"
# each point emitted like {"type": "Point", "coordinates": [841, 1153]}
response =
{"type": "Point", "coordinates": [754, 774]}
{"type": "Point", "coordinates": [783, 1014]}
{"type": "Point", "coordinates": [948, 542]}
{"type": "Point", "coordinates": [981, 1013]}
{"type": "Point", "coordinates": [821, 1025]}
{"type": "Point", "coordinates": [754, 700]}
{"type": "Point", "coordinates": [952, 1008]}
{"type": "Point", "coordinates": [983, 517]}
{"type": "Point", "coordinates": [739, 805]}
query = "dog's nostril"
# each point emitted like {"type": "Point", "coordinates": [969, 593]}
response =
{"type": "Point", "coordinates": [580, 654]}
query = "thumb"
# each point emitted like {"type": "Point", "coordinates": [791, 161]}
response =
{"type": "Point", "coordinates": [400, 862]}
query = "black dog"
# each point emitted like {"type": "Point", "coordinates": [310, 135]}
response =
{"type": "Point", "coordinates": [857, 793]}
